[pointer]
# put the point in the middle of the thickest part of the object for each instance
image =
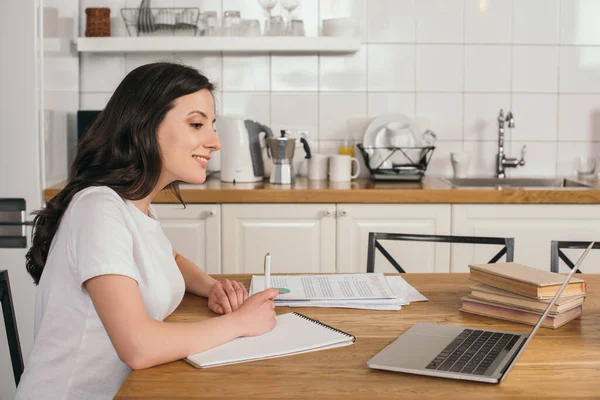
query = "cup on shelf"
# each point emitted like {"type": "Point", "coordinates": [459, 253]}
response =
{"type": "Point", "coordinates": [231, 23]}
{"type": "Point", "coordinates": [209, 22]}
{"type": "Point", "coordinates": [318, 166]}
{"type": "Point", "coordinates": [340, 168]}
{"type": "Point", "coordinates": [460, 164]}
{"type": "Point", "coordinates": [585, 166]}
{"type": "Point", "coordinates": [297, 27]}
{"type": "Point", "coordinates": [275, 26]}
{"type": "Point", "coordinates": [250, 27]}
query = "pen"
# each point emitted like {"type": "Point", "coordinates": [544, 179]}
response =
{"type": "Point", "coordinates": [267, 270]}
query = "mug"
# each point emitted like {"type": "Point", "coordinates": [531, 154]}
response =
{"type": "Point", "coordinates": [317, 166]}
{"type": "Point", "coordinates": [340, 168]}
{"type": "Point", "coordinates": [460, 164]}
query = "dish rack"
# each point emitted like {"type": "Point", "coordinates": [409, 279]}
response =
{"type": "Point", "coordinates": [161, 21]}
{"type": "Point", "coordinates": [407, 164]}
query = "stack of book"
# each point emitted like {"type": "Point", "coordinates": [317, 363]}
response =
{"type": "Point", "coordinates": [518, 293]}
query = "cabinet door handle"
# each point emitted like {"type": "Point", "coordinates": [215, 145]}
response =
{"type": "Point", "coordinates": [328, 212]}
{"type": "Point", "coordinates": [343, 213]}
{"type": "Point", "coordinates": [211, 213]}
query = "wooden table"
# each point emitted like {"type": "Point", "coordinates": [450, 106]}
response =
{"type": "Point", "coordinates": [562, 363]}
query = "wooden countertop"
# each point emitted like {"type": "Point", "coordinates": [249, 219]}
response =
{"type": "Point", "coordinates": [557, 364]}
{"type": "Point", "coordinates": [430, 190]}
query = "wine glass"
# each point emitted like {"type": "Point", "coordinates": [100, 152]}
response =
{"type": "Point", "coordinates": [268, 6]}
{"type": "Point", "coordinates": [289, 6]}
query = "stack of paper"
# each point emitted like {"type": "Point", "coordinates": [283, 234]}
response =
{"type": "Point", "coordinates": [364, 291]}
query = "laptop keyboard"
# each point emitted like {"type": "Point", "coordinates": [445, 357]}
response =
{"type": "Point", "coordinates": [473, 351]}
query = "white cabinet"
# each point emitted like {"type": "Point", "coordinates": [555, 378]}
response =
{"type": "Point", "coordinates": [300, 237]}
{"type": "Point", "coordinates": [532, 226]}
{"type": "Point", "coordinates": [194, 232]}
{"type": "Point", "coordinates": [355, 221]}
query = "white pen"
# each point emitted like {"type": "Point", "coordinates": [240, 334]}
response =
{"type": "Point", "coordinates": [267, 270]}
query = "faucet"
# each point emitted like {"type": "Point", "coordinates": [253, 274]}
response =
{"type": "Point", "coordinates": [502, 161]}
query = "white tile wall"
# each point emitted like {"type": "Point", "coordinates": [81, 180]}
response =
{"type": "Point", "coordinates": [343, 72]}
{"type": "Point", "coordinates": [210, 64]}
{"type": "Point", "coordinates": [246, 72]}
{"type": "Point", "coordinates": [481, 113]}
{"type": "Point", "coordinates": [535, 69]}
{"type": "Point", "coordinates": [487, 68]}
{"type": "Point", "coordinates": [488, 21]}
{"type": "Point", "coordinates": [439, 68]}
{"type": "Point", "coordinates": [439, 21]}
{"type": "Point", "coordinates": [579, 117]}
{"type": "Point", "coordinates": [440, 161]}
{"type": "Point", "coordinates": [579, 22]}
{"type": "Point", "coordinates": [580, 69]}
{"type": "Point", "coordinates": [391, 67]}
{"type": "Point", "coordinates": [483, 157]}
{"type": "Point", "coordinates": [297, 111]}
{"type": "Point", "coordinates": [387, 103]}
{"type": "Point", "coordinates": [539, 122]}
{"type": "Point", "coordinates": [451, 63]}
{"type": "Point", "coordinates": [333, 121]}
{"type": "Point", "coordinates": [541, 14]}
{"type": "Point", "coordinates": [383, 29]}
{"type": "Point", "coordinates": [101, 72]}
{"type": "Point", "coordinates": [539, 159]}
{"type": "Point", "coordinates": [445, 112]}
{"type": "Point", "coordinates": [254, 105]}
{"type": "Point", "coordinates": [295, 73]}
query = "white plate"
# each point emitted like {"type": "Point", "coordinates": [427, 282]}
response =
{"type": "Point", "coordinates": [375, 136]}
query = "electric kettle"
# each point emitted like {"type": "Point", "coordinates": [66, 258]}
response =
{"type": "Point", "coordinates": [281, 150]}
{"type": "Point", "coordinates": [241, 154]}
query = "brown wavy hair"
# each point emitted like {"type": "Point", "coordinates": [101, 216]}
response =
{"type": "Point", "coordinates": [120, 150]}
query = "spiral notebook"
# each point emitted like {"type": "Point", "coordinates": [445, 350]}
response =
{"type": "Point", "coordinates": [294, 333]}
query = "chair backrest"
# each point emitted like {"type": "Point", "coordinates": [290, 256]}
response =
{"type": "Point", "coordinates": [374, 238]}
{"type": "Point", "coordinates": [10, 323]}
{"type": "Point", "coordinates": [557, 254]}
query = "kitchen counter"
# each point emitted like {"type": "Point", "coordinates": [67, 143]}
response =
{"type": "Point", "coordinates": [431, 190]}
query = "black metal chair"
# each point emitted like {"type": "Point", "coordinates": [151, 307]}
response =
{"type": "Point", "coordinates": [374, 238]}
{"type": "Point", "coordinates": [557, 254]}
{"type": "Point", "coordinates": [10, 323]}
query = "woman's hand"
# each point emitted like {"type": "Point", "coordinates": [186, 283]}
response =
{"type": "Point", "coordinates": [226, 296]}
{"type": "Point", "coordinates": [257, 315]}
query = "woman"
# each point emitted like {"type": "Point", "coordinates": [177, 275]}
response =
{"type": "Point", "coordinates": [107, 274]}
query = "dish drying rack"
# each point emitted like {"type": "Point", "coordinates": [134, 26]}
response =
{"type": "Point", "coordinates": [161, 21]}
{"type": "Point", "coordinates": [411, 168]}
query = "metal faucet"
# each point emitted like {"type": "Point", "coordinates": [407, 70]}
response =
{"type": "Point", "coordinates": [502, 161]}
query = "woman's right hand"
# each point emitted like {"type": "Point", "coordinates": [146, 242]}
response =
{"type": "Point", "coordinates": [257, 314]}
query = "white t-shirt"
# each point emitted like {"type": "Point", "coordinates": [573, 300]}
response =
{"type": "Point", "coordinates": [100, 233]}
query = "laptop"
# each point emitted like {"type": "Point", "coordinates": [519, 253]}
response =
{"type": "Point", "coordinates": [457, 352]}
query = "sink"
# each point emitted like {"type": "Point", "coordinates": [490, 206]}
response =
{"type": "Point", "coordinates": [514, 182]}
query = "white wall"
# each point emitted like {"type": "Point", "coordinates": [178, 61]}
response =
{"type": "Point", "coordinates": [60, 87]}
{"type": "Point", "coordinates": [19, 157]}
{"type": "Point", "coordinates": [456, 62]}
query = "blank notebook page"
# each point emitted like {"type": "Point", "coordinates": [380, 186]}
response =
{"type": "Point", "coordinates": [293, 334]}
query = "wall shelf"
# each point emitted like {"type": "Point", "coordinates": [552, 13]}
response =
{"type": "Point", "coordinates": [204, 44]}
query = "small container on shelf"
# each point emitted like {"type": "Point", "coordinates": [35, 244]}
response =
{"type": "Point", "coordinates": [97, 21]}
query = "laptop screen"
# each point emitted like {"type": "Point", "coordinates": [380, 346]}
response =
{"type": "Point", "coordinates": [556, 296]}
